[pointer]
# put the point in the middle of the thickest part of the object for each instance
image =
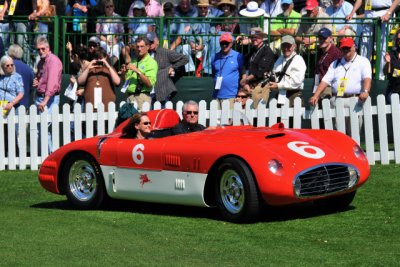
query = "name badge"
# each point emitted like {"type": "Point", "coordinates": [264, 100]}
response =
{"type": "Point", "coordinates": [396, 73]}
{"type": "Point", "coordinates": [98, 96]}
{"type": "Point", "coordinates": [125, 86]}
{"type": "Point", "coordinates": [342, 86]}
{"type": "Point", "coordinates": [218, 83]}
{"type": "Point", "coordinates": [368, 5]}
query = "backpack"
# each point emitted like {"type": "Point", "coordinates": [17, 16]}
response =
{"type": "Point", "coordinates": [126, 111]}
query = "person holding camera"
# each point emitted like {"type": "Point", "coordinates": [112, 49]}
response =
{"type": "Point", "coordinates": [290, 70]}
{"type": "Point", "coordinates": [99, 80]}
{"type": "Point", "coordinates": [258, 62]}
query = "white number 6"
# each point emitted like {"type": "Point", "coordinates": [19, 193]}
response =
{"type": "Point", "coordinates": [137, 154]}
{"type": "Point", "coordinates": [301, 147]}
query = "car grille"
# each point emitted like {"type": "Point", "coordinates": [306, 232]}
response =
{"type": "Point", "coordinates": [323, 180]}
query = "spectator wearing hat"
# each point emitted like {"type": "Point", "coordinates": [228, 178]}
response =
{"type": "Point", "coordinates": [204, 30]}
{"type": "Point", "coordinates": [308, 29]}
{"type": "Point", "coordinates": [251, 10]}
{"type": "Point", "coordinates": [258, 63]}
{"type": "Point", "coordinates": [139, 24]}
{"type": "Point", "coordinates": [290, 70]}
{"type": "Point", "coordinates": [229, 9]}
{"type": "Point", "coordinates": [383, 9]}
{"type": "Point", "coordinates": [286, 23]}
{"type": "Point", "coordinates": [93, 46]}
{"type": "Point", "coordinates": [227, 70]}
{"type": "Point", "coordinates": [110, 31]}
{"type": "Point", "coordinates": [349, 77]}
{"type": "Point", "coordinates": [338, 11]}
{"type": "Point", "coordinates": [272, 8]}
{"type": "Point", "coordinates": [328, 53]}
{"type": "Point", "coordinates": [168, 62]}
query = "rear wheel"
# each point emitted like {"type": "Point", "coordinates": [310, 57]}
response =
{"type": "Point", "coordinates": [338, 202]}
{"type": "Point", "coordinates": [83, 182]}
{"type": "Point", "coordinates": [236, 192]}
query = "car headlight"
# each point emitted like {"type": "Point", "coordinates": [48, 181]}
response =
{"type": "Point", "coordinates": [353, 179]}
{"type": "Point", "coordinates": [297, 187]}
{"type": "Point", "coordinates": [359, 153]}
{"type": "Point", "coordinates": [275, 167]}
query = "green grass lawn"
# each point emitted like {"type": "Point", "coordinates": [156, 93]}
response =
{"type": "Point", "coordinates": [39, 229]}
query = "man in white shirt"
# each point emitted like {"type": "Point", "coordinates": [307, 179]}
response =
{"type": "Point", "coordinates": [382, 9]}
{"type": "Point", "coordinates": [290, 70]}
{"type": "Point", "coordinates": [350, 77]}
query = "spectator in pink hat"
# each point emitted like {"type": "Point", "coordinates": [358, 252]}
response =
{"type": "Point", "coordinates": [227, 70]}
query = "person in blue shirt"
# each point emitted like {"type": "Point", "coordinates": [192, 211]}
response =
{"type": "Point", "coordinates": [227, 70]}
{"type": "Point", "coordinates": [11, 84]}
{"type": "Point", "coordinates": [16, 53]}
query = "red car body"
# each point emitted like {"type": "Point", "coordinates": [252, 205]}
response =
{"type": "Point", "coordinates": [237, 168]}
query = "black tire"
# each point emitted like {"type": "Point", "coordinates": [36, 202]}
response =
{"type": "Point", "coordinates": [83, 182]}
{"type": "Point", "coordinates": [236, 192]}
{"type": "Point", "coordinates": [340, 202]}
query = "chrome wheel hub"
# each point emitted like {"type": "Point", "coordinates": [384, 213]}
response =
{"type": "Point", "coordinates": [82, 180]}
{"type": "Point", "coordinates": [232, 191]}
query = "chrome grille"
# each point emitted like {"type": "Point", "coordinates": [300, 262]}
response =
{"type": "Point", "coordinates": [323, 180]}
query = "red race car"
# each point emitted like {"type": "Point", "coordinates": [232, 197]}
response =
{"type": "Point", "coordinates": [235, 168]}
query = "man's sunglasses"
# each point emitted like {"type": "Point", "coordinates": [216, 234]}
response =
{"type": "Point", "coordinates": [192, 112]}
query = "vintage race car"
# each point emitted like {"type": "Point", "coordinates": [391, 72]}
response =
{"type": "Point", "coordinates": [238, 169]}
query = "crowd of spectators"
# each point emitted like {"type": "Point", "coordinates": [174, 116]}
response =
{"type": "Point", "coordinates": [200, 38]}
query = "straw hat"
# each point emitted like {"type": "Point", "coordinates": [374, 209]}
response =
{"type": "Point", "coordinates": [203, 3]}
{"type": "Point", "coordinates": [227, 2]}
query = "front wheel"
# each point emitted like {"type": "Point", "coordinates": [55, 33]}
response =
{"type": "Point", "coordinates": [83, 182]}
{"type": "Point", "coordinates": [236, 192]}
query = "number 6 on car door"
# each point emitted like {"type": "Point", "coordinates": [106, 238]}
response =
{"type": "Point", "coordinates": [137, 154]}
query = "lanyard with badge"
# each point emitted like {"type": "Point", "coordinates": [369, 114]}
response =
{"type": "Point", "coordinates": [218, 82]}
{"type": "Point", "coordinates": [368, 5]}
{"type": "Point", "coordinates": [343, 81]}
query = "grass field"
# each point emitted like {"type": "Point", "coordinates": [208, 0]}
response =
{"type": "Point", "coordinates": [39, 229]}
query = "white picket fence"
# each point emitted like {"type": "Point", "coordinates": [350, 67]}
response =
{"type": "Point", "coordinates": [25, 151]}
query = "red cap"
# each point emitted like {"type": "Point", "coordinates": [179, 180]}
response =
{"type": "Point", "coordinates": [311, 4]}
{"type": "Point", "coordinates": [346, 42]}
{"type": "Point", "coordinates": [225, 37]}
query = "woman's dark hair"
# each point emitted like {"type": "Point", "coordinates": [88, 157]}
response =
{"type": "Point", "coordinates": [130, 131]}
{"type": "Point", "coordinates": [100, 53]}
{"type": "Point", "coordinates": [81, 51]}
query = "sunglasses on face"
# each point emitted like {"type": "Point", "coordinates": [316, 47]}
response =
{"type": "Point", "coordinates": [146, 123]}
{"type": "Point", "coordinates": [191, 112]}
{"type": "Point", "coordinates": [242, 96]}
{"type": "Point", "coordinates": [41, 49]}
{"type": "Point", "coordinates": [9, 65]}
{"type": "Point", "coordinates": [224, 43]}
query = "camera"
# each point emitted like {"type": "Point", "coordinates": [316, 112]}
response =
{"type": "Point", "coordinates": [99, 63]}
{"type": "Point", "coordinates": [269, 77]}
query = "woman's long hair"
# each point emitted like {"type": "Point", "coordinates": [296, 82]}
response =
{"type": "Point", "coordinates": [130, 131]}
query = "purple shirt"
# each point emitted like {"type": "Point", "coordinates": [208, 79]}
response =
{"type": "Point", "coordinates": [49, 75]}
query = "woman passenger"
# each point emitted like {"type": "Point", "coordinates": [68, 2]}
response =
{"type": "Point", "coordinates": [139, 127]}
